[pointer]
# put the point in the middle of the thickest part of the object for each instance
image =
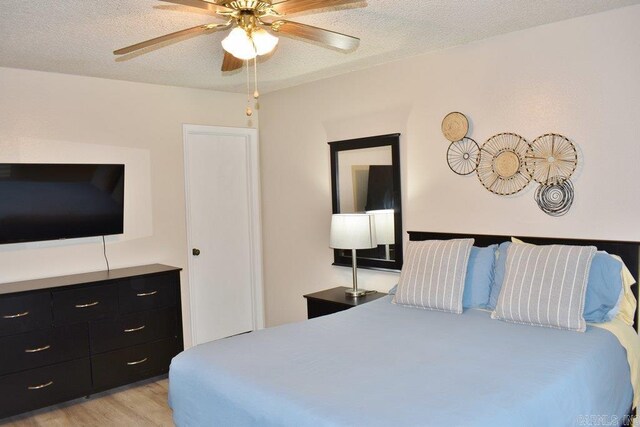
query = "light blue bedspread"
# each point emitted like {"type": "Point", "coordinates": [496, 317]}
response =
{"type": "Point", "coordinates": [385, 365]}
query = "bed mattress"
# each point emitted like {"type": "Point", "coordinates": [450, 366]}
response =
{"type": "Point", "coordinates": [380, 364]}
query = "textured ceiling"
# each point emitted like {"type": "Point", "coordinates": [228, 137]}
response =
{"type": "Point", "coordinates": [78, 36]}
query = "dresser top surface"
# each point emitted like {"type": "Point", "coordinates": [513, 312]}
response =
{"type": "Point", "coordinates": [81, 278]}
{"type": "Point", "coordinates": [338, 295]}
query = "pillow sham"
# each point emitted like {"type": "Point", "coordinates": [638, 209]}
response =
{"type": "Point", "coordinates": [604, 287]}
{"type": "Point", "coordinates": [545, 286]}
{"type": "Point", "coordinates": [613, 313]}
{"type": "Point", "coordinates": [628, 304]}
{"type": "Point", "coordinates": [480, 273]}
{"type": "Point", "coordinates": [498, 274]}
{"type": "Point", "coordinates": [433, 275]}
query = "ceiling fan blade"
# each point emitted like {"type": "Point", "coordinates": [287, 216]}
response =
{"type": "Point", "coordinates": [288, 7]}
{"type": "Point", "coordinates": [230, 62]}
{"type": "Point", "coordinates": [330, 38]}
{"type": "Point", "coordinates": [194, 30]}
{"type": "Point", "coordinates": [213, 6]}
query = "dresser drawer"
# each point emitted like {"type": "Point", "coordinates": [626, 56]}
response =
{"type": "Point", "coordinates": [132, 329]}
{"type": "Point", "coordinates": [132, 364]}
{"type": "Point", "coordinates": [25, 312]}
{"type": "Point", "coordinates": [44, 386]}
{"type": "Point", "coordinates": [317, 308]}
{"type": "Point", "coordinates": [148, 292]}
{"type": "Point", "coordinates": [78, 305]}
{"type": "Point", "coordinates": [44, 347]}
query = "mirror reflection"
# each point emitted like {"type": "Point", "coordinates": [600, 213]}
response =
{"type": "Point", "coordinates": [366, 186]}
{"type": "Point", "coordinates": [365, 179]}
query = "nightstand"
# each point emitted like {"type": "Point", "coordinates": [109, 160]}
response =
{"type": "Point", "coordinates": [333, 300]}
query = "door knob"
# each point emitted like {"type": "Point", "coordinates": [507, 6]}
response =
{"type": "Point", "coordinates": [195, 251]}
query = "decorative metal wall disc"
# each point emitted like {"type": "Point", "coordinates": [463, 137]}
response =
{"type": "Point", "coordinates": [455, 126]}
{"type": "Point", "coordinates": [555, 199]}
{"type": "Point", "coordinates": [462, 156]}
{"type": "Point", "coordinates": [551, 159]}
{"type": "Point", "coordinates": [501, 167]}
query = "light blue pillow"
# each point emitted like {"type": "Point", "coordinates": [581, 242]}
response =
{"type": "Point", "coordinates": [498, 275]}
{"type": "Point", "coordinates": [603, 288]}
{"type": "Point", "coordinates": [480, 270]}
{"type": "Point", "coordinates": [393, 290]}
{"type": "Point", "coordinates": [616, 309]}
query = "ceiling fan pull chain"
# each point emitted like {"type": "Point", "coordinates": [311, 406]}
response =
{"type": "Point", "coordinates": [256, 94]}
{"type": "Point", "coordinates": [248, 111]}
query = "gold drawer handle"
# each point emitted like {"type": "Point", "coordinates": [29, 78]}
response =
{"type": "Point", "coordinates": [91, 304]}
{"type": "Point", "coordinates": [137, 362]}
{"type": "Point", "coordinates": [13, 316]}
{"type": "Point", "coordinates": [135, 329]}
{"type": "Point", "coordinates": [36, 350]}
{"type": "Point", "coordinates": [38, 387]}
{"type": "Point", "coordinates": [147, 294]}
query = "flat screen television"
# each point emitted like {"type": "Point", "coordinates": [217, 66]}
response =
{"type": "Point", "coordinates": [60, 201]}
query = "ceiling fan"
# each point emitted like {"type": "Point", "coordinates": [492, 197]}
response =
{"type": "Point", "coordinates": [254, 25]}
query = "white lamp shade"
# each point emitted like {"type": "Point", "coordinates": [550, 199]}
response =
{"type": "Point", "coordinates": [352, 231]}
{"type": "Point", "coordinates": [385, 226]}
{"type": "Point", "coordinates": [263, 41]}
{"type": "Point", "coordinates": [238, 44]}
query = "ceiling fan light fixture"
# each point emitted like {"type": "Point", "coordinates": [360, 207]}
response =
{"type": "Point", "coordinates": [250, 36]}
{"type": "Point", "coordinates": [239, 44]}
{"type": "Point", "coordinates": [263, 41]}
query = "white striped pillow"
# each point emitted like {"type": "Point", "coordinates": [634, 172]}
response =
{"type": "Point", "coordinates": [433, 274]}
{"type": "Point", "coordinates": [545, 286]}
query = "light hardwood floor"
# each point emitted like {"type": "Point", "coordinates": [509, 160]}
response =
{"type": "Point", "coordinates": [143, 404]}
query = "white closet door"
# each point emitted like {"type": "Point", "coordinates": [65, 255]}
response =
{"type": "Point", "coordinates": [222, 191]}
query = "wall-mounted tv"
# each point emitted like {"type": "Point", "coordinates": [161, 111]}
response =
{"type": "Point", "coordinates": [60, 201]}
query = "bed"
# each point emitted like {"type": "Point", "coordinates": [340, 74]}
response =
{"type": "Point", "coordinates": [382, 364]}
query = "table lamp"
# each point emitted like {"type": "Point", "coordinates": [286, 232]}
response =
{"type": "Point", "coordinates": [353, 231]}
{"type": "Point", "coordinates": [385, 229]}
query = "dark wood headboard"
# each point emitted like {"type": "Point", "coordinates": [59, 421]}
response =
{"type": "Point", "coordinates": [628, 251]}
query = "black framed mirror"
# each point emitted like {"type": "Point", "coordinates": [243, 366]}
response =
{"type": "Point", "coordinates": [365, 177]}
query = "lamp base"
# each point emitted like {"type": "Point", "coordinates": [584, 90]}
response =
{"type": "Point", "coordinates": [355, 294]}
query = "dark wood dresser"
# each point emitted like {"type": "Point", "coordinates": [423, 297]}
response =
{"type": "Point", "coordinates": [66, 337]}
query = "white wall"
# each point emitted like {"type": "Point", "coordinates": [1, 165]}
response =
{"type": "Point", "coordinates": [46, 117]}
{"type": "Point", "coordinates": [578, 78]}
